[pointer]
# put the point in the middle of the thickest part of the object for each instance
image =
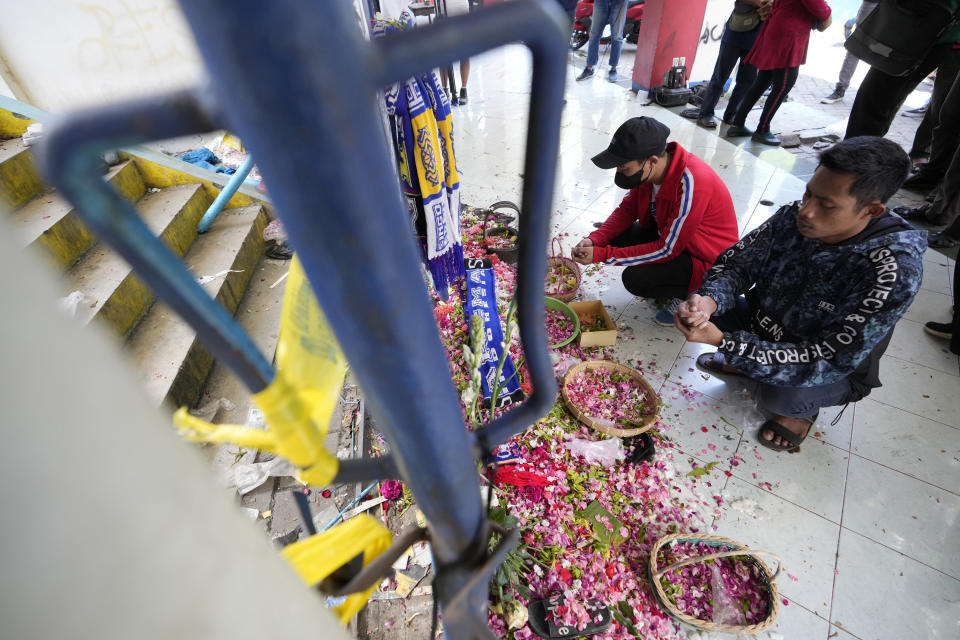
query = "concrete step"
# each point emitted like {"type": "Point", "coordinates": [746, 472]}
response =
{"type": "Point", "coordinates": [173, 364]}
{"type": "Point", "coordinates": [51, 222]}
{"type": "Point", "coordinates": [19, 179]}
{"type": "Point", "coordinates": [259, 315]}
{"type": "Point", "coordinates": [116, 295]}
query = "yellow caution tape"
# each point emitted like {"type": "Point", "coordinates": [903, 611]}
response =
{"type": "Point", "coordinates": [298, 403]}
{"type": "Point", "coordinates": [320, 555]}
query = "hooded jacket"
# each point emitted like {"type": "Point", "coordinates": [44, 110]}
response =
{"type": "Point", "coordinates": [693, 213]}
{"type": "Point", "coordinates": [819, 312]}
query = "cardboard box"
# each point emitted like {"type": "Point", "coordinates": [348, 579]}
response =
{"type": "Point", "coordinates": [586, 311]}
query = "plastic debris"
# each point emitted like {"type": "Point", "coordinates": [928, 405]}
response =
{"type": "Point", "coordinates": [34, 132]}
{"type": "Point", "coordinates": [72, 302]}
{"type": "Point", "coordinates": [603, 452]}
{"type": "Point", "coordinates": [250, 476]}
{"type": "Point", "coordinates": [220, 274]}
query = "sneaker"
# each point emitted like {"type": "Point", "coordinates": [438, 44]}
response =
{"type": "Point", "coordinates": [919, 112]}
{"type": "Point", "coordinates": [921, 181]}
{"type": "Point", "coordinates": [836, 96]}
{"type": "Point", "coordinates": [587, 73]}
{"type": "Point", "coordinates": [612, 75]}
{"type": "Point", "coordinates": [939, 329]}
{"type": "Point", "coordinates": [738, 131]}
{"type": "Point", "coordinates": [463, 95]}
{"type": "Point", "coordinates": [766, 138]}
{"type": "Point", "coordinates": [664, 317]}
{"type": "Point", "coordinates": [692, 113]}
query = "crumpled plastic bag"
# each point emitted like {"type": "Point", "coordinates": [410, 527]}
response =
{"type": "Point", "coordinates": [562, 364]}
{"type": "Point", "coordinates": [603, 452]}
{"type": "Point", "coordinates": [250, 476]}
{"type": "Point", "coordinates": [725, 610]}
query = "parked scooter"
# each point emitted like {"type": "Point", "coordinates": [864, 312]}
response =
{"type": "Point", "coordinates": [583, 17]}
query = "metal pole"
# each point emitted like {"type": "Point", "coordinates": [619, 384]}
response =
{"type": "Point", "coordinates": [225, 194]}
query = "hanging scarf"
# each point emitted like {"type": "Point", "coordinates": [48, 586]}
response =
{"type": "Point", "coordinates": [482, 307]}
{"type": "Point", "coordinates": [428, 174]}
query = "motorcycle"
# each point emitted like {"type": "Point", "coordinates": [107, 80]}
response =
{"type": "Point", "coordinates": [583, 17]}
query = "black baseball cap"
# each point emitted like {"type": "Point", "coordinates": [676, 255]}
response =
{"type": "Point", "coordinates": [636, 139]}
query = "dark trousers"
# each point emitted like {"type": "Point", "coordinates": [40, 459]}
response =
{"type": "Point", "coordinates": [946, 134]}
{"type": "Point", "coordinates": [946, 74]}
{"type": "Point", "coordinates": [658, 280]}
{"type": "Point", "coordinates": [794, 402]}
{"type": "Point", "coordinates": [780, 82]}
{"type": "Point", "coordinates": [880, 96]}
{"type": "Point", "coordinates": [728, 57]}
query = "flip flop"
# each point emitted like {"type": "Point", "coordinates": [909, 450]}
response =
{"type": "Point", "coordinates": [538, 613]}
{"type": "Point", "coordinates": [708, 363]}
{"type": "Point", "coordinates": [785, 434]}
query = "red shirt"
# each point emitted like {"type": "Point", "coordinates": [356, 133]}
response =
{"type": "Point", "coordinates": [785, 34]}
{"type": "Point", "coordinates": [695, 215]}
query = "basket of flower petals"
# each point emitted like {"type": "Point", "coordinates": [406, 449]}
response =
{"type": "Point", "coordinates": [563, 275]}
{"type": "Point", "coordinates": [714, 584]}
{"type": "Point", "coordinates": [610, 397]}
{"type": "Point", "coordinates": [563, 325]}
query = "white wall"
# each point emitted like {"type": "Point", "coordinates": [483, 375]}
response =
{"type": "Point", "coordinates": [717, 13]}
{"type": "Point", "coordinates": [70, 53]}
{"type": "Point", "coordinates": [65, 54]}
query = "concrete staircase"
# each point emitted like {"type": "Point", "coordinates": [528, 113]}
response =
{"type": "Point", "coordinates": [169, 360]}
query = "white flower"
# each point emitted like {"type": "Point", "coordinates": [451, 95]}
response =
{"type": "Point", "coordinates": [516, 615]}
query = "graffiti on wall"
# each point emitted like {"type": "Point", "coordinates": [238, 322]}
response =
{"type": "Point", "coordinates": [133, 35]}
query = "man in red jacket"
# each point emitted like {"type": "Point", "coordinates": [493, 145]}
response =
{"type": "Point", "coordinates": [672, 225]}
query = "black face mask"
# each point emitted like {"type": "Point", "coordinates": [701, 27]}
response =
{"type": "Point", "coordinates": [631, 182]}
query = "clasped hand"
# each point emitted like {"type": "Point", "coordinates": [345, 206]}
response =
{"type": "Point", "coordinates": [583, 252]}
{"type": "Point", "coordinates": [693, 320]}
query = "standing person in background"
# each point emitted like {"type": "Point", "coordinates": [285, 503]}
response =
{"type": "Point", "coordinates": [779, 51]}
{"type": "Point", "coordinates": [457, 8]}
{"type": "Point", "coordinates": [614, 13]}
{"type": "Point", "coordinates": [850, 61]}
{"type": "Point", "coordinates": [738, 37]}
{"type": "Point", "coordinates": [881, 94]}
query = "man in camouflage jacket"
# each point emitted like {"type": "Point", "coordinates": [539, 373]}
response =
{"type": "Point", "coordinates": [805, 304]}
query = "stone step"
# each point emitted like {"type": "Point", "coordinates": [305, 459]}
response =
{"type": "Point", "coordinates": [173, 365]}
{"type": "Point", "coordinates": [259, 315]}
{"type": "Point", "coordinates": [116, 296]}
{"type": "Point", "coordinates": [20, 181]}
{"type": "Point", "coordinates": [51, 222]}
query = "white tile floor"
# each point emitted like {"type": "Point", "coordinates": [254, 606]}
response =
{"type": "Point", "coordinates": [867, 516]}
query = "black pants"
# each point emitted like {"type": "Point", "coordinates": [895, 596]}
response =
{"type": "Point", "coordinates": [780, 82]}
{"type": "Point", "coordinates": [955, 338]}
{"type": "Point", "coordinates": [727, 59]}
{"type": "Point", "coordinates": [658, 280]}
{"type": "Point", "coordinates": [880, 96]}
{"type": "Point", "coordinates": [794, 402]}
{"type": "Point", "coordinates": [946, 134]}
{"type": "Point", "coordinates": [946, 73]}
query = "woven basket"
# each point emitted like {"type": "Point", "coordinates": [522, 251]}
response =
{"type": "Point", "coordinates": [558, 259]}
{"type": "Point", "coordinates": [715, 541]}
{"type": "Point", "coordinates": [651, 395]}
{"type": "Point", "coordinates": [508, 255]}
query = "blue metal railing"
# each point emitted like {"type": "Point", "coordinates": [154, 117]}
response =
{"type": "Point", "coordinates": [225, 194]}
{"type": "Point", "coordinates": [298, 86]}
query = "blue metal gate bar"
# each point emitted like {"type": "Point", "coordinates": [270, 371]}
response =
{"type": "Point", "coordinates": [299, 89]}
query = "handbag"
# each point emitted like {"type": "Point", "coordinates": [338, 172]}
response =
{"type": "Point", "coordinates": [897, 36]}
{"type": "Point", "coordinates": [744, 17]}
